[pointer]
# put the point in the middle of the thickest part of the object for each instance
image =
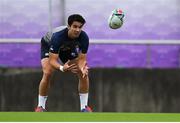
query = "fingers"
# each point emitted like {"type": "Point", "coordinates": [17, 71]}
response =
{"type": "Point", "coordinates": [85, 74]}
{"type": "Point", "coordinates": [85, 71]}
{"type": "Point", "coordinates": [86, 67]}
{"type": "Point", "coordinates": [73, 68]}
{"type": "Point", "coordinates": [67, 62]}
{"type": "Point", "coordinates": [74, 71]}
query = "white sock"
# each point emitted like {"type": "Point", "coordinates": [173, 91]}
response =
{"type": "Point", "coordinates": [42, 101]}
{"type": "Point", "coordinates": [83, 99]}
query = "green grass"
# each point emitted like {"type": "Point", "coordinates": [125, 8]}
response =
{"type": "Point", "coordinates": [88, 117]}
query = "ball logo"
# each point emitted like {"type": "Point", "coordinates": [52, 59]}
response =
{"type": "Point", "coordinates": [119, 11]}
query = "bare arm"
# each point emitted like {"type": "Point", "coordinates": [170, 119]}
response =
{"type": "Point", "coordinates": [53, 60]}
{"type": "Point", "coordinates": [82, 63]}
{"type": "Point", "coordinates": [82, 60]}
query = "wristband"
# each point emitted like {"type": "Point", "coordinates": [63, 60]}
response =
{"type": "Point", "coordinates": [61, 68]}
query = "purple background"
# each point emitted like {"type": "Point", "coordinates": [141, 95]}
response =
{"type": "Point", "coordinates": [144, 20]}
{"type": "Point", "coordinates": [100, 55]}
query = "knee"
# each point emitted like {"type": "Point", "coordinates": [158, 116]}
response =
{"type": "Point", "coordinates": [79, 74]}
{"type": "Point", "coordinates": [47, 75]}
{"type": "Point", "coordinates": [82, 77]}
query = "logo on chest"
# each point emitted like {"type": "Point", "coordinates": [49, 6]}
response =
{"type": "Point", "coordinates": [75, 52]}
{"type": "Point", "coordinates": [77, 48]}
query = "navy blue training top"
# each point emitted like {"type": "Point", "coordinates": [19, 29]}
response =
{"type": "Point", "coordinates": [66, 47]}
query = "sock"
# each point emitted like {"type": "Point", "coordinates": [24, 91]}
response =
{"type": "Point", "coordinates": [83, 99]}
{"type": "Point", "coordinates": [42, 101]}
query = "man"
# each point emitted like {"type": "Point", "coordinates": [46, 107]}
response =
{"type": "Point", "coordinates": [65, 49]}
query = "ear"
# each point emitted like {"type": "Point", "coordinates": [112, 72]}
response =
{"type": "Point", "coordinates": [68, 27]}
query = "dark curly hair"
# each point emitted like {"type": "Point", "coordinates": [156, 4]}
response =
{"type": "Point", "coordinates": [76, 17]}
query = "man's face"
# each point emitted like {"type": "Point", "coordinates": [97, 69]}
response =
{"type": "Point", "coordinates": [75, 29]}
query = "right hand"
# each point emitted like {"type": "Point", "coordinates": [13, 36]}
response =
{"type": "Point", "coordinates": [70, 67]}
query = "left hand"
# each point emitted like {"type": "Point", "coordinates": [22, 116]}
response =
{"type": "Point", "coordinates": [84, 70]}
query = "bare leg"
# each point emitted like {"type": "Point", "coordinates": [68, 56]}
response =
{"type": "Point", "coordinates": [45, 82]}
{"type": "Point", "coordinates": [83, 84]}
{"type": "Point", "coordinates": [83, 90]}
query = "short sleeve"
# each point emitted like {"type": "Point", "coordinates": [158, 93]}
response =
{"type": "Point", "coordinates": [55, 44]}
{"type": "Point", "coordinates": [84, 43]}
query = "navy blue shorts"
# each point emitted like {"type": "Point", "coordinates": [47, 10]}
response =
{"type": "Point", "coordinates": [44, 49]}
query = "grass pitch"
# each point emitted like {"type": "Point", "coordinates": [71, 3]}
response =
{"type": "Point", "coordinates": [87, 117]}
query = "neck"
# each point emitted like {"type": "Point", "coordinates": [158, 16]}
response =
{"type": "Point", "coordinates": [70, 36]}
